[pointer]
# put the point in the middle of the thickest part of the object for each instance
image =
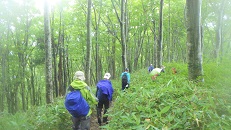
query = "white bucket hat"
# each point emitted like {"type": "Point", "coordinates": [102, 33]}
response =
{"type": "Point", "coordinates": [79, 75]}
{"type": "Point", "coordinates": [107, 76]}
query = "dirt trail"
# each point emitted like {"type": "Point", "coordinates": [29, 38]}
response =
{"type": "Point", "coordinates": [94, 122]}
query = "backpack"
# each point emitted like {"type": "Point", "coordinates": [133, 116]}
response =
{"type": "Point", "coordinates": [76, 105]}
{"type": "Point", "coordinates": [124, 78]}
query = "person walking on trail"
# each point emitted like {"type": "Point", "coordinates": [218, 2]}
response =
{"type": "Point", "coordinates": [79, 102]}
{"type": "Point", "coordinates": [125, 76]}
{"type": "Point", "coordinates": [104, 93]}
{"type": "Point", "coordinates": [156, 72]}
{"type": "Point", "coordinates": [150, 68]}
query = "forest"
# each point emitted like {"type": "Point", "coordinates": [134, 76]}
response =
{"type": "Point", "coordinates": [44, 42]}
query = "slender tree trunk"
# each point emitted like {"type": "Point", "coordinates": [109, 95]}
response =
{"type": "Point", "coordinates": [54, 54]}
{"type": "Point", "coordinates": [160, 39]}
{"type": "Point", "coordinates": [3, 78]}
{"type": "Point", "coordinates": [61, 64]}
{"type": "Point", "coordinates": [89, 43]}
{"type": "Point", "coordinates": [113, 57]}
{"type": "Point", "coordinates": [48, 59]}
{"type": "Point", "coordinates": [219, 30]}
{"type": "Point", "coordinates": [23, 60]}
{"type": "Point", "coordinates": [169, 30]}
{"type": "Point", "coordinates": [126, 31]}
{"type": "Point", "coordinates": [97, 57]}
{"type": "Point", "coordinates": [32, 83]}
{"type": "Point", "coordinates": [7, 86]}
{"type": "Point", "coordinates": [147, 52]}
{"type": "Point", "coordinates": [123, 37]}
{"type": "Point", "coordinates": [193, 21]}
{"type": "Point", "coordinates": [138, 48]}
{"type": "Point", "coordinates": [68, 66]}
{"type": "Point", "coordinates": [154, 50]}
{"type": "Point", "coordinates": [65, 76]}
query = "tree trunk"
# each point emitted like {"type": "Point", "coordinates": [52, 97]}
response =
{"type": "Point", "coordinates": [48, 59]}
{"type": "Point", "coordinates": [54, 54]}
{"type": "Point", "coordinates": [3, 86]}
{"type": "Point", "coordinates": [113, 57]}
{"type": "Point", "coordinates": [193, 24]}
{"type": "Point", "coordinates": [68, 66]}
{"type": "Point", "coordinates": [126, 37]}
{"type": "Point", "coordinates": [219, 30]}
{"type": "Point", "coordinates": [160, 40]}
{"type": "Point", "coordinates": [169, 30]}
{"type": "Point", "coordinates": [139, 47]}
{"type": "Point", "coordinates": [65, 64]}
{"type": "Point", "coordinates": [32, 84]}
{"type": "Point", "coordinates": [89, 43]}
{"type": "Point", "coordinates": [97, 57]}
{"type": "Point", "coordinates": [154, 53]}
{"type": "Point", "coordinates": [61, 64]}
{"type": "Point", "coordinates": [122, 34]}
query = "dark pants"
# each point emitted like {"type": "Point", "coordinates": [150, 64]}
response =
{"type": "Point", "coordinates": [103, 103]}
{"type": "Point", "coordinates": [124, 85]}
{"type": "Point", "coordinates": [81, 123]}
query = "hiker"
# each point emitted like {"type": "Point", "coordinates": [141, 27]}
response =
{"type": "Point", "coordinates": [125, 76]}
{"type": "Point", "coordinates": [150, 68]}
{"type": "Point", "coordinates": [104, 94]}
{"type": "Point", "coordinates": [81, 108]}
{"type": "Point", "coordinates": [156, 72]}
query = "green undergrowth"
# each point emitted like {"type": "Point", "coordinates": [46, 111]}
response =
{"type": "Point", "coordinates": [47, 117]}
{"type": "Point", "coordinates": [171, 102]}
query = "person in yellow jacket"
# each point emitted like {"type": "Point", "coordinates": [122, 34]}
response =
{"type": "Point", "coordinates": [83, 123]}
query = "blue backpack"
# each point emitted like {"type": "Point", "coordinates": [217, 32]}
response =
{"type": "Point", "coordinates": [76, 105]}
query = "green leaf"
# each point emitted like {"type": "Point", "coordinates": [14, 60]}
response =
{"type": "Point", "coordinates": [158, 113]}
{"type": "Point", "coordinates": [165, 109]}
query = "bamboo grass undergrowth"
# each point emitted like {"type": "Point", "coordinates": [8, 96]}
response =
{"type": "Point", "coordinates": [169, 102]}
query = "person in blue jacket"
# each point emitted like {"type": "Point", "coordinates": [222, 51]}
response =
{"type": "Point", "coordinates": [150, 68]}
{"type": "Point", "coordinates": [104, 94]}
{"type": "Point", "coordinates": [125, 76]}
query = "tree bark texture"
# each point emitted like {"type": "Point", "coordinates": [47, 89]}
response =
{"type": "Point", "coordinates": [160, 39]}
{"type": "Point", "coordinates": [61, 65]}
{"type": "Point", "coordinates": [3, 86]}
{"type": "Point", "coordinates": [89, 43]}
{"type": "Point", "coordinates": [48, 59]}
{"type": "Point", "coordinates": [193, 24]}
{"type": "Point", "coordinates": [219, 30]}
{"type": "Point", "coordinates": [54, 54]}
{"type": "Point", "coordinates": [122, 34]}
{"type": "Point", "coordinates": [97, 57]}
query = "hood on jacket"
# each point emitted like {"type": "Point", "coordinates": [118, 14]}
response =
{"type": "Point", "coordinates": [78, 84]}
{"type": "Point", "coordinates": [86, 93]}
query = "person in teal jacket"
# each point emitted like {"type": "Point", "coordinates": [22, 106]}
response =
{"type": "Point", "coordinates": [83, 123]}
{"type": "Point", "coordinates": [125, 76]}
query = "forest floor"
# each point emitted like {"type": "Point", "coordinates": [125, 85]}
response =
{"type": "Point", "coordinates": [94, 122]}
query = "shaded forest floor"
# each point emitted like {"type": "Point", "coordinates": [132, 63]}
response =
{"type": "Point", "coordinates": [94, 122]}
